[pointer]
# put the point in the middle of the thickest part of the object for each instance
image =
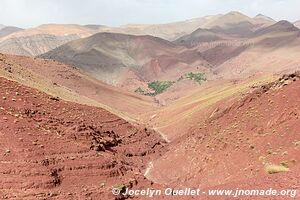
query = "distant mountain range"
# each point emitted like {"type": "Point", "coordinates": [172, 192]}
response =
{"type": "Point", "coordinates": [39, 40]}
{"type": "Point", "coordinates": [211, 102]}
{"type": "Point", "coordinates": [127, 60]}
{"type": "Point", "coordinates": [222, 51]}
{"type": "Point", "coordinates": [7, 30]}
{"type": "Point", "coordinates": [35, 41]}
{"type": "Point", "coordinates": [132, 56]}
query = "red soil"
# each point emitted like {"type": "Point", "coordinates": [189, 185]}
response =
{"type": "Point", "coordinates": [62, 150]}
{"type": "Point", "coordinates": [233, 146]}
{"type": "Point", "coordinates": [56, 149]}
{"type": "Point", "coordinates": [37, 72]}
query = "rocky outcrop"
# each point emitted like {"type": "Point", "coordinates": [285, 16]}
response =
{"type": "Point", "coordinates": [52, 148]}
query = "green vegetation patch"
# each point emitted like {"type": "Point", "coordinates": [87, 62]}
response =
{"type": "Point", "coordinates": [157, 87]}
{"type": "Point", "coordinates": [198, 77]}
{"type": "Point", "coordinates": [160, 86]}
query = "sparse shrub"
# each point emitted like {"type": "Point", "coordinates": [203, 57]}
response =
{"type": "Point", "coordinates": [261, 158]}
{"type": "Point", "coordinates": [285, 164]}
{"type": "Point", "coordinates": [272, 169]}
{"type": "Point", "coordinates": [270, 151]}
{"type": "Point", "coordinates": [293, 161]}
{"type": "Point", "coordinates": [139, 90]}
{"type": "Point", "coordinates": [297, 143]}
{"type": "Point", "coordinates": [180, 78]}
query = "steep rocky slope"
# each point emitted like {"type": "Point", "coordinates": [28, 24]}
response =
{"type": "Point", "coordinates": [245, 142]}
{"type": "Point", "coordinates": [69, 145]}
{"type": "Point", "coordinates": [52, 148]}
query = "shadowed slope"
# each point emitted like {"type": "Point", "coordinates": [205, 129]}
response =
{"type": "Point", "coordinates": [272, 49]}
{"type": "Point", "coordinates": [68, 83]}
{"type": "Point", "coordinates": [126, 60]}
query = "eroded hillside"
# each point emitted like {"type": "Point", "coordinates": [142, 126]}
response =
{"type": "Point", "coordinates": [57, 149]}
{"type": "Point", "coordinates": [244, 143]}
{"type": "Point", "coordinates": [70, 84]}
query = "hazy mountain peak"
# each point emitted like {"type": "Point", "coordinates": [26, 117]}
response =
{"type": "Point", "coordinates": [281, 26]}
{"type": "Point", "coordinates": [297, 24]}
{"type": "Point", "coordinates": [261, 16]}
{"type": "Point", "coordinates": [235, 15]}
{"type": "Point", "coordinates": [232, 17]}
{"type": "Point", "coordinates": [284, 23]}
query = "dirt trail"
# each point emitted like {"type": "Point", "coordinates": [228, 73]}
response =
{"type": "Point", "coordinates": [239, 144]}
{"type": "Point", "coordinates": [52, 148]}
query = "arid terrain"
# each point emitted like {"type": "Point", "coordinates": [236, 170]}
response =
{"type": "Point", "coordinates": [208, 103]}
{"type": "Point", "coordinates": [57, 149]}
